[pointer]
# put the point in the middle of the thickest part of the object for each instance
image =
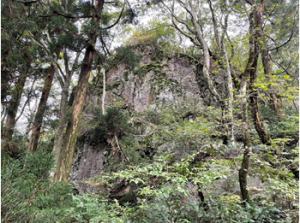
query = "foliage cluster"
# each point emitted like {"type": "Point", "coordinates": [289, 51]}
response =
{"type": "Point", "coordinates": [113, 122]}
{"type": "Point", "coordinates": [124, 55]}
{"type": "Point", "coordinates": [157, 34]}
{"type": "Point", "coordinates": [29, 196]}
{"type": "Point", "coordinates": [163, 195]}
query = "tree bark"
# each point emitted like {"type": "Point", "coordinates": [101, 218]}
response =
{"type": "Point", "coordinates": [12, 110]}
{"type": "Point", "coordinates": [104, 91]}
{"type": "Point", "coordinates": [251, 66]}
{"type": "Point", "coordinates": [66, 156]}
{"type": "Point", "coordinates": [58, 140]}
{"type": "Point", "coordinates": [264, 136]}
{"type": "Point", "coordinates": [226, 65]}
{"type": "Point", "coordinates": [38, 120]}
{"type": "Point", "coordinates": [64, 106]}
{"type": "Point", "coordinates": [206, 63]}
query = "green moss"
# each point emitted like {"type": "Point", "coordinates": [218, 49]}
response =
{"type": "Point", "coordinates": [113, 85]}
{"type": "Point", "coordinates": [151, 66]}
{"type": "Point", "coordinates": [126, 75]}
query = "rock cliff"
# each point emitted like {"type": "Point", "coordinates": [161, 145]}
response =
{"type": "Point", "coordinates": [160, 80]}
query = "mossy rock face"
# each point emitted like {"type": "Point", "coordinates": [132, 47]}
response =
{"type": "Point", "coordinates": [169, 80]}
{"type": "Point", "coordinates": [113, 85]}
{"type": "Point", "coordinates": [89, 153]}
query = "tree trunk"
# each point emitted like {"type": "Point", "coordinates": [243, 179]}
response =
{"type": "Point", "coordinates": [264, 136]}
{"type": "Point", "coordinates": [226, 65]}
{"type": "Point", "coordinates": [12, 110]}
{"type": "Point", "coordinates": [38, 120]}
{"type": "Point", "coordinates": [262, 133]}
{"type": "Point", "coordinates": [65, 162]}
{"type": "Point", "coordinates": [64, 106]}
{"type": "Point", "coordinates": [206, 62]}
{"type": "Point", "coordinates": [58, 140]}
{"type": "Point", "coordinates": [251, 67]}
{"type": "Point", "coordinates": [104, 91]}
{"type": "Point", "coordinates": [66, 156]}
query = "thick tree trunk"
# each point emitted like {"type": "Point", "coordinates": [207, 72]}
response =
{"type": "Point", "coordinates": [37, 124]}
{"type": "Point", "coordinates": [243, 172]}
{"type": "Point", "coordinates": [59, 134]}
{"type": "Point", "coordinates": [64, 106]}
{"type": "Point", "coordinates": [12, 110]}
{"type": "Point", "coordinates": [66, 156]}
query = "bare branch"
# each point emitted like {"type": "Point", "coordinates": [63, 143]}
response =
{"type": "Point", "coordinates": [28, 95]}
{"type": "Point", "coordinates": [185, 34]}
{"type": "Point", "coordinates": [178, 19]}
{"type": "Point", "coordinates": [294, 25]}
{"type": "Point", "coordinates": [76, 61]}
{"type": "Point", "coordinates": [215, 24]}
{"type": "Point", "coordinates": [109, 27]}
{"type": "Point", "coordinates": [66, 60]}
{"type": "Point", "coordinates": [279, 65]}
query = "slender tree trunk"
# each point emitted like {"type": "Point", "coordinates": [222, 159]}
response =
{"type": "Point", "coordinates": [104, 91]}
{"type": "Point", "coordinates": [12, 110]}
{"type": "Point", "coordinates": [264, 136]}
{"type": "Point", "coordinates": [206, 63]}
{"type": "Point", "coordinates": [251, 67]}
{"type": "Point", "coordinates": [38, 120]}
{"type": "Point", "coordinates": [229, 87]}
{"type": "Point", "coordinates": [225, 62]}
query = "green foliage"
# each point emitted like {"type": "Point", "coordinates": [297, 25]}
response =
{"type": "Point", "coordinates": [124, 55]}
{"type": "Point", "coordinates": [288, 125]}
{"type": "Point", "coordinates": [26, 191]}
{"type": "Point", "coordinates": [29, 196]}
{"type": "Point", "coordinates": [164, 195]}
{"type": "Point", "coordinates": [157, 34]}
{"type": "Point", "coordinates": [113, 122]}
{"type": "Point", "coordinates": [17, 146]}
{"type": "Point", "coordinates": [186, 129]}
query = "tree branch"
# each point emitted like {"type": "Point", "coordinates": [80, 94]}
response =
{"type": "Point", "coordinates": [276, 48]}
{"type": "Point", "coordinates": [29, 93]}
{"type": "Point", "coordinates": [109, 27]}
{"type": "Point", "coordinates": [279, 65]}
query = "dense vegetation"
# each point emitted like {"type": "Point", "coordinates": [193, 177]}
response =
{"type": "Point", "coordinates": [220, 148]}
